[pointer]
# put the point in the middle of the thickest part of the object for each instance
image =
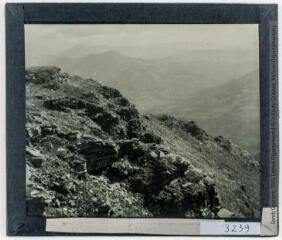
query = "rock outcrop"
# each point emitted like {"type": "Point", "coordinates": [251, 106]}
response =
{"type": "Point", "coordinates": [90, 153]}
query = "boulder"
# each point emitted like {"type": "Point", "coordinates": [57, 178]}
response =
{"type": "Point", "coordinates": [62, 187]}
{"type": "Point", "coordinates": [134, 149]}
{"type": "Point", "coordinates": [224, 143]}
{"type": "Point", "coordinates": [62, 152]}
{"type": "Point", "coordinates": [147, 117]}
{"type": "Point", "coordinates": [33, 132]}
{"type": "Point", "coordinates": [107, 120]}
{"type": "Point", "coordinates": [110, 92]}
{"type": "Point", "coordinates": [99, 154]}
{"type": "Point", "coordinates": [194, 175]}
{"type": "Point", "coordinates": [34, 157]}
{"type": "Point", "coordinates": [192, 128]}
{"type": "Point", "coordinates": [48, 129]}
{"type": "Point", "coordinates": [134, 128]}
{"type": "Point", "coordinates": [151, 138]}
{"type": "Point", "coordinates": [127, 113]}
{"type": "Point", "coordinates": [43, 75]}
{"type": "Point", "coordinates": [122, 169]}
{"type": "Point", "coordinates": [225, 213]}
{"type": "Point", "coordinates": [180, 197]}
{"type": "Point", "coordinates": [80, 166]}
{"type": "Point", "coordinates": [123, 102]}
{"type": "Point", "coordinates": [63, 104]}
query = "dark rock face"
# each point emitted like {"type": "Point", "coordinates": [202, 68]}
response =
{"type": "Point", "coordinates": [151, 138]}
{"type": "Point", "coordinates": [224, 143]}
{"type": "Point", "coordinates": [34, 157]}
{"type": "Point", "coordinates": [99, 155]}
{"type": "Point", "coordinates": [47, 76]}
{"type": "Point", "coordinates": [134, 128]}
{"type": "Point", "coordinates": [192, 128]}
{"type": "Point", "coordinates": [89, 153]}
{"type": "Point", "coordinates": [189, 127]}
{"type": "Point", "coordinates": [180, 197]}
{"type": "Point", "coordinates": [63, 104]}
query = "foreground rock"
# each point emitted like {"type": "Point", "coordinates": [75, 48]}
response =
{"type": "Point", "coordinates": [90, 153]}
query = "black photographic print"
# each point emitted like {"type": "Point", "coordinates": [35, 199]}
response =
{"type": "Point", "coordinates": [143, 120]}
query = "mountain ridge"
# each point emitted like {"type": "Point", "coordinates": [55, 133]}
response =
{"type": "Point", "coordinates": [91, 153]}
{"type": "Point", "coordinates": [235, 103]}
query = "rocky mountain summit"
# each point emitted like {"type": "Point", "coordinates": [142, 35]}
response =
{"type": "Point", "coordinates": [90, 153]}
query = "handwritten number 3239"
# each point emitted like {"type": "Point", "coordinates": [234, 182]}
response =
{"type": "Point", "coordinates": [234, 228]}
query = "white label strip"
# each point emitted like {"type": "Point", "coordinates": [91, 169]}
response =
{"type": "Point", "coordinates": [229, 228]}
{"type": "Point", "coordinates": [211, 227]}
{"type": "Point", "coordinates": [124, 225]}
{"type": "Point", "coordinates": [152, 226]}
{"type": "Point", "coordinates": [269, 222]}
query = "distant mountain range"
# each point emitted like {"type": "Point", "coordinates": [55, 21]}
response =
{"type": "Point", "coordinates": [231, 109]}
{"type": "Point", "coordinates": [193, 85]}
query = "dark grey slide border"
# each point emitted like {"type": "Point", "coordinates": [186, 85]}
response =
{"type": "Point", "coordinates": [18, 224]}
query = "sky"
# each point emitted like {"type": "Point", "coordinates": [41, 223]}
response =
{"type": "Point", "coordinates": [46, 42]}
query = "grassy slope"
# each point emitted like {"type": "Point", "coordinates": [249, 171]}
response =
{"type": "Point", "coordinates": [229, 171]}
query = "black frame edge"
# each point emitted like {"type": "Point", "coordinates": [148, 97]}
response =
{"type": "Point", "coordinates": [14, 17]}
{"type": "Point", "coordinates": [19, 13]}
